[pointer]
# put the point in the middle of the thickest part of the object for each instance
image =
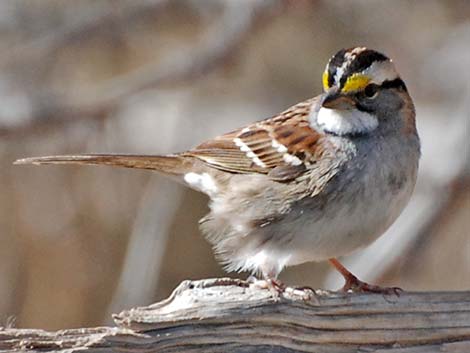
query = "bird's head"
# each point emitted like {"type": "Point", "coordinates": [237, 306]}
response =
{"type": "Point", "coordinates": [362, 90]}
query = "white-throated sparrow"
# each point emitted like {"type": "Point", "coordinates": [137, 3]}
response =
{"type": "Point", "coordinates": [319, 180]}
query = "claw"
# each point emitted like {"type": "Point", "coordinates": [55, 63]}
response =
{"type": "Point", "coordinates": [307, 293]}
{"type": "Point", "coordinates": [275, 286]}
{"type": "Point", "coordinates": [353, 284]}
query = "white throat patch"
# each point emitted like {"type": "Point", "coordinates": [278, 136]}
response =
{"type": "Point", "coordinates": [343, 122]}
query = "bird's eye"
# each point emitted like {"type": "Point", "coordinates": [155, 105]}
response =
{"type": "Point", "coordinates": [371, 90]}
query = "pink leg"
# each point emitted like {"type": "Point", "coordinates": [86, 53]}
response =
{"type": "Point", "coordinates": [352, 283]}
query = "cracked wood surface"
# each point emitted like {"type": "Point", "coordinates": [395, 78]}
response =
{"type": "Point", "coordinates": [226, 315]}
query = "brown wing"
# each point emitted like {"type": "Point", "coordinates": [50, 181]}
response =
{"type": "Point", "coordinates": [281, 146]}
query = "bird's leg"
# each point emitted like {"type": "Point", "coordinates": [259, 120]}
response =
{"type": "Point", "coordinates": [274, 284]}
{"type": "Point", "coordinates": [270, 282]}
{"type": "Point", "coordinates": [352, 283]}
{"type": "Point", "coordinates": [276, 287]}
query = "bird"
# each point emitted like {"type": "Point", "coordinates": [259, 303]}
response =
{"type": "Point", "coordinates": [321, 179]}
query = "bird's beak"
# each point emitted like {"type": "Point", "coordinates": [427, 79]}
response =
{"type": "Point", "coordinates": [334, 99]}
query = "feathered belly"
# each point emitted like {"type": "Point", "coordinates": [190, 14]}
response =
{"type": "Point", "coordinates": [269, 230]}
{"type": "Point", "coordinates": [350, 221]}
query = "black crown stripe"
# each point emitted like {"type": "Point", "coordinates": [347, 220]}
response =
{"type": "Point", "coordinates": [361, 62]}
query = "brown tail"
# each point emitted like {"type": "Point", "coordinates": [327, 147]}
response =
{"type": "Point", "coordinates": [170, 164]}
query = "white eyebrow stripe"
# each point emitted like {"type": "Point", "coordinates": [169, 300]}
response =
{"type": "Point", "coordinates": [381, 71]}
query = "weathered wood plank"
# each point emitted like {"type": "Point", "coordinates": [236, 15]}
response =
{"type": "Point", "coordinates": [225, 315]}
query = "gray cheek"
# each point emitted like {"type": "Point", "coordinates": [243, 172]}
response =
{"type": "Point", "coordinates": [389, 103]}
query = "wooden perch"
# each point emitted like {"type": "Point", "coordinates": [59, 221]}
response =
{"type": "Point", "coordinates": [227, 315]}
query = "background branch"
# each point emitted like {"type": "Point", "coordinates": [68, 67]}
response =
{"type": "Point", "coordinates": [221, 41]}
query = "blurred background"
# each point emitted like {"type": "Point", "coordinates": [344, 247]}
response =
{"type": "Point", "coordinates": [158, 76]}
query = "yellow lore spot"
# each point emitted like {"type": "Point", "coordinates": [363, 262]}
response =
{"type": "Point", "coordinates": [325, 81]}
{"type": "Point", "coordinates": [355, 82]}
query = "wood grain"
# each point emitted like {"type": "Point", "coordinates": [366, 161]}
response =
{"type": "Point", "coordinates": [226, 315]}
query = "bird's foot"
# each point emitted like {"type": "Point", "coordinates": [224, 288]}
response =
{"type": "Point", "coordinates": [277, 289]}
{"type": "Point", "coordinates": [307, 293]}
{"type": "Point", "coordinates": [353, 284]}
{"type": "Point", "coordinates": [275, 286]}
